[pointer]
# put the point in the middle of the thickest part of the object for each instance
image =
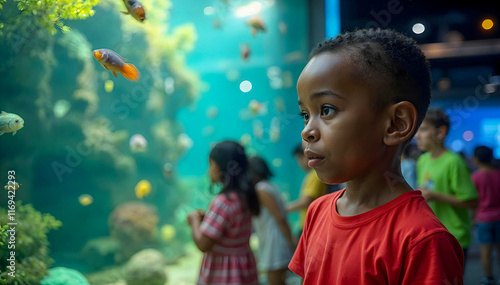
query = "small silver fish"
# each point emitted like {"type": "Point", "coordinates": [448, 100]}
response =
{"type": "Point", "coordinates": [10, 123]}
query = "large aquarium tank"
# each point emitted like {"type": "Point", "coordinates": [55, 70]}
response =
{"type": "Point", "coordinates": [105, 160]}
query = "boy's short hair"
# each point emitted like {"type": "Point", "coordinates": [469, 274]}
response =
{"type": "Point", "coordinates": [438, 118]}
{"type": "Point", "coordinates": [298, 150]}
{"type": "Point", "coordinates": [484, 154]}
{"type": "Point", "coordinates": [386, 56]}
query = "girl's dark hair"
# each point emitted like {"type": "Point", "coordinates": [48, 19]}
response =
{"type": "Point", "coordinates": [231, 159]}
{"type": "Point", "coordinates": [257, 167]}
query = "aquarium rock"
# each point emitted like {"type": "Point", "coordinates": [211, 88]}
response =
{"type": "Point", "coordinates": [64, 276]}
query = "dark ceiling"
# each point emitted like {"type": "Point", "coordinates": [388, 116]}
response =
{"type": "Point", "coordinates": [439, 17]}
{"type": "Point", "coordinates": [445, 22]}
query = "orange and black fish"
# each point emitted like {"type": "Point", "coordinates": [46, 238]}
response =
{"type": "Point", "coordinates": [135, 9]}
{"type": "Point", "coordinates": [110, 60]}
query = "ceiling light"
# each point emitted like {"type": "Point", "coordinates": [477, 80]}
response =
{"type": "Point", "coordinates": [418, 28]}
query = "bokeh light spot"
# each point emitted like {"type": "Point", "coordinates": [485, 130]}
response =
{"type": "Point", "coordinates": [245, 86]}
{"type": "Point", "coordinates": [487, 24]}
{"type": "Point", "coordinates": [418, 28]}
{"type": "Point", "coordinates": [468, 136]}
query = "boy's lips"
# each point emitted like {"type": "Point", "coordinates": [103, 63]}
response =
{"type": "Point", "coordinates": [313, 157]}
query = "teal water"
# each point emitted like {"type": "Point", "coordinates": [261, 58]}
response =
{"type": "Point", "coordinates": [58, 158]}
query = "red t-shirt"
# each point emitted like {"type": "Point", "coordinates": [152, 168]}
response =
{"type": "Point", "coordinates": [400, 242]}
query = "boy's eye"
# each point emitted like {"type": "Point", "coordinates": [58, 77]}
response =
{"type": "Point", "coordinates": [327, 110]}
{"type": "Point", "coordinates": [304, 115]}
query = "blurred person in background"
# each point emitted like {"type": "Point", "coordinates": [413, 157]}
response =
{"type": "Point", "coordinates": [276, 244]}
{"type": "Point", "coordinates": [409, 165]}
{"type": "Point", "coordinates": [311, 189]}
{"type": "Point", "coordinates": [487, 181]}
{"type": "Point", "coordinates": [444, 178]}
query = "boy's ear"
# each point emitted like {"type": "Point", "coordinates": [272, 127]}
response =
{"type": "Point", "coordinates": [442, 132]}
{"type": "Point", "coordinates": [403, 120]}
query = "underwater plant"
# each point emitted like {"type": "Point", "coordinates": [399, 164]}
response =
{"type": "Point", "coordinates": [49, 13]}
{"type": "Point", "coordinates": [3, 234]}
{"type": "Point", "coordinates": [31, 245]}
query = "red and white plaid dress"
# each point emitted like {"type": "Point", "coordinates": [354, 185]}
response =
{"type": "Point", "coordinates": [231, 261]}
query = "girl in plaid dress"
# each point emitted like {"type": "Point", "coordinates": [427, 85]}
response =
{"type": "Point", "coordinates": [223, 232]}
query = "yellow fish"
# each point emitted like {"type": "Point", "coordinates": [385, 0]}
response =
{"type": "Point", "coordinates": [109, 85]}
{"type": "Point", "coordinates": [85, 199]}
{"type": "Point", "coordinates": [167, 233]}
{"type": "Point", "coordinates": [11, 187]}
{"type": "Point", "coordinates": [143, 188]}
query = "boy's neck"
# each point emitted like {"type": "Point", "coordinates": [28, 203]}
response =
{"type": "Point", "coordinates": [485, 167]}
{"type": "Point", "coordinates": [438, 150]}
{"type": "Point", "coordinates": [373, 190]}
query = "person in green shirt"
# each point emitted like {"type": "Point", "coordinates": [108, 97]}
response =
{"type": "Point", "coordinates": [444, 178]}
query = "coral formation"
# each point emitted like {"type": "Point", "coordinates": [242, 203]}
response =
{"type": "Point", "coordinates": [31, 245]}
{"type": "Point", "coordinates": [133, 224]}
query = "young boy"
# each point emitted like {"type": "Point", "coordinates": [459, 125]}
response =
{"type": "Point", "coordinates": [444, 178]}
{"type": "Point", "coordinates": [487, 181]}
{"type": "Point", "coordinates": [362, 96]}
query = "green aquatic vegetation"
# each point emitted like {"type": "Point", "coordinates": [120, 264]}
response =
{"type": "Point", "coordinates": [31, 245]}
{"type": "Point", "coordinates": [3, 234]}
{"type": "Point", "coordinates": [80, 48]}
{"type": "Point", "coordinates": [50, 13]}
